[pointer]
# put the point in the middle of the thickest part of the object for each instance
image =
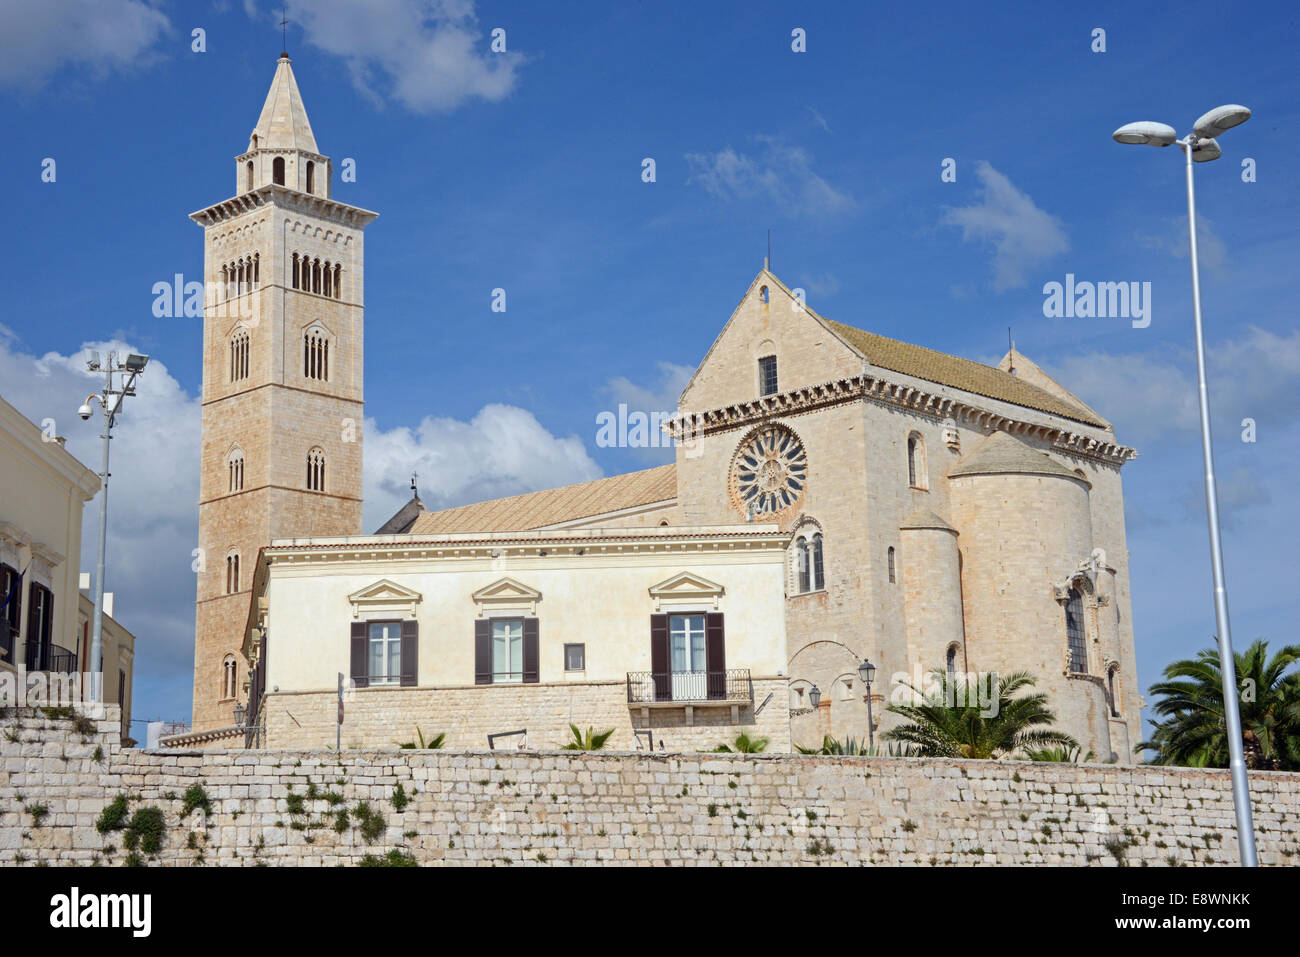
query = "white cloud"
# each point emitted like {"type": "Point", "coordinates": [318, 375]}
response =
{"type": "Point", "coordinates": [776, 170]}
{"type": "Point", "coordinates": [503, 450]}
{"type": "Point", "coordinates": [428, 55]}
{"type": "Point", "coordinates": [1212, 253]}
{"type": "Point", "coordinates": [104, 35]}
{"type": "Point", "coordinates": [1150, 395]}
{"type": "Point", "coordinates": [662, 396]}
{"type": "Point", "coordinates": [1021, 234]}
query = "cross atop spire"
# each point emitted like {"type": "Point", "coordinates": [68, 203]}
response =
{"type": "Point", "coordinates": [284, 33]}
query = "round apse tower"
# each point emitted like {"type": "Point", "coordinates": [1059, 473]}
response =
{"type": "Point", "coordinates": [1026, 539]}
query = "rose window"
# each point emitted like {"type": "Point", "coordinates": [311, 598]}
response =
{"type": "Point", "coordinates": [769, 473]}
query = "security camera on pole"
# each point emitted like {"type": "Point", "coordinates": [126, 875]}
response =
{"type": "Point", "coordinates": [110, 402]}
{"type": "Point", "coordinates": [1200, 146]}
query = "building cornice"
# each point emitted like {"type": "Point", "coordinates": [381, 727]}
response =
{"type": "Point", "coordinates": [685, 540]}
{"type": "Point", "coordinates": [869, 387]}
{"type": "Point", "coordinates": [281, 197]}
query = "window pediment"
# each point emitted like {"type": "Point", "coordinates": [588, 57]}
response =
{"type": "Point", "coordinates": [506, 593]}
{"type": "Point", "coordinates": [686, 586]}
{"type": "Point", "coordinates": [385, 596]}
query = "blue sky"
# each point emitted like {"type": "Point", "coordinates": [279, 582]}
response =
{"type": "Point", "coordinates": [523, 171]}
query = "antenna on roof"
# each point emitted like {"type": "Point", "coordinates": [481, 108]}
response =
{"type": "Point", "coordinates": [1011, 352]}
{"type": "Point", "coordinates": [414, 490]}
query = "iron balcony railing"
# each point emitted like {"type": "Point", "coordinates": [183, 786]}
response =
{"type": "Point", "coordinates": [51, 658]}
{"type": "Point", "coordinates": [649, 687]}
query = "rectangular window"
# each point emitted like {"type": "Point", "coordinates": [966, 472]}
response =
{"type": "Point", "coordinates": [767, 374]}
{"type": "Point", "coordinates": [687, 656]}
{"type": "Point", "coordinates": [507, 650]}
{"type": "Point", "coordinates": [39, 621]}
{"type": "Point", "coordinates": [575, 657]}
{"type": "Point", "coordinates": [385, 667]}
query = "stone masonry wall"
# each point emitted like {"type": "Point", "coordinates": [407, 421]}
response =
{"type": "Point", "coordinates": [385, 716]}
{"type": "Point", "coordinates": [283, 807]}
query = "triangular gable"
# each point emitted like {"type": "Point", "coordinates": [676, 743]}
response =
{"type": "Point", "coordinates": [784, 310]}
{"type": "Point", "coordinates": [384, 595]}
{"type": "Point", "coordinates": [686, 586]}
{"type": "Point", "coordinates": [506, 593]}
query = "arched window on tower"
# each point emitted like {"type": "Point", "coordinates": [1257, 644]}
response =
{"type": "Point", "coordinates": [315, 276]}
{"type": "Point", "coordinates": [232, 572]}
{"type": "Point", "coordinates": [916, 473]}
{"type": "Point", "coordinates": [311, 177]}
{"type": "Point", "coordinates": [235, 467]}
{"type": "Point", "coordinates": [316, 470]}
{"type": "Point", "coordinates": [338, 281]}
{"type": "Point", "coordinates": [893, 569]}
{"type": "Point", "coordinates": [248, 181]}
{"type": "Point", "coordinates": [950, 661]}
{"type": "Point", "coordinates": [803, 565]}
{"type": "Point", "coordinates": [229, 677]}
{"type": "Point", "coordinates": [818, 569]}
{"type": "Point", "coordinates": [1113, 689]}
{"type": "Point", "coordinates": [329, 280]}
{"type": "Point", "coordinates": [316, 355]}
{"type": "Point", "coordinates": [277, 170]}
{"type": "Point", "coordinates": [1074, 633]}
{"type": "Point", "coordinates": [257, 270]}
{"type": "Point", "coordinates": [297, 281]}
{"type": "Point", "coordinates": [239, 355]}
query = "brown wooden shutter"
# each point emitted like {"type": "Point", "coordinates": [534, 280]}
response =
{"type": "Point", "coordinates": [360, 656]}
{"type": "Point", "coordinates": [483, 651]}
{"type": "Point", "coordinates": [532, 651]}
{"type": "Point", "coordinates": [659, 662]}
{"type": "Point", "coordinates": [715, 655]}
{"type": "Point", "coordinates": [410, 652]}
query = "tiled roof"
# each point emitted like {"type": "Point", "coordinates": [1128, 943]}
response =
{"type": "Point", "coordinates": [555, 505]}
{"type": "Point", "coordinates": [934, 366]}
{"type": "Point", "coordinates": [924, 518]}
{"type": "Point", "coordinates": [1001, 453]}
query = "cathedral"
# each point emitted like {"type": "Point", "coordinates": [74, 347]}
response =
{"type": "Point", "coordinates": [837, 497]}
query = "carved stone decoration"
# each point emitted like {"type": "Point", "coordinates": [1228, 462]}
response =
{"type": "Point", "coordinates": [951, 437]}
{"type": "Point", "coordinates": [769, 474]}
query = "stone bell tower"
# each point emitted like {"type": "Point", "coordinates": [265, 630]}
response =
{"type": "Point", "coordinates": [282, 377]}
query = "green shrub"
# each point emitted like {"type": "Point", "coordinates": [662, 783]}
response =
{"type": "Point", "coordinates": [393, 858]}
{"type": "Point", "coordinates": [195, 797]}
{"type": "Point", "coordinates": [145, 831]}
{"type": "Point", "coordinates": [113, 817]}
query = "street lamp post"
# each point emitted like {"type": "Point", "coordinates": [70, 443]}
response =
{"type": "Point", "coordinates": [110, 403]}
{"type": "Point", "coordinates": [866, 671]}
{"type": "Point", "coordinates": [1200, 146]}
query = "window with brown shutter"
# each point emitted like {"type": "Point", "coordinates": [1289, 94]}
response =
{"type": "Point", "coordinates": [715, 655]}
{"type": "Point", "coordinates": [659, 671]}
{"type": "Point", "coordinates": [410, 652]}
{"type": "Point", "coordinates": [483, 651]}
{"type": "Point", "coordinates": [532, 656]}
{"type": "Point", "coordinates": [360, 655]}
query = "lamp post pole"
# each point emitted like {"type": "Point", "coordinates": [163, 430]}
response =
{"type": "Point", "coordinates": [110, 403]}
{"type": "Point", "coordinates": [1201, 146]}
{"type": "Point", "coordinates": [1227, 663]}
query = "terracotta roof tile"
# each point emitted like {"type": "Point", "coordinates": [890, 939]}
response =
{"type": "Point", "coordinates": [934, 366]}
{"type": "Point", "coordinates": [555, 505]}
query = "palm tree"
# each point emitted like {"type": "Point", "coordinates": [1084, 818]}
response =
{"type": "Point", "coordinates": [593, 740]}
{"type": "Point", "coordinates": [966, 728]}
{"type": "Point", "coordinates": [1060, 755]}
{"type": "Point", "coordinates": [744, 744]}
{"type": "Point", "coordinates": [1193, 733]}
{"type": "Point", "coordinates": [433, 744]}
{"type": "Point", "coordinates": [851, 746]}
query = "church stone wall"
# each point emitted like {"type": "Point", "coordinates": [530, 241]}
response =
{"type": "Point", "coordinates": [561, 807]}
{"type": "Point", "coordinates": [930, 572]}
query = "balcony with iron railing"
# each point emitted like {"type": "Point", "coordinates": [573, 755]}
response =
{"type": "Point", "coordinates": [650, 689]}
{"type": "Point", "coordinates": [51, 658]}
